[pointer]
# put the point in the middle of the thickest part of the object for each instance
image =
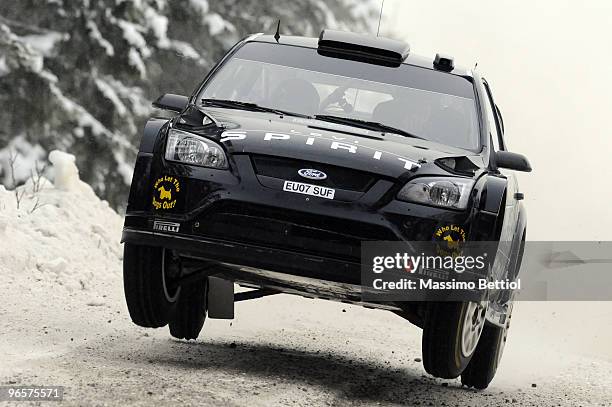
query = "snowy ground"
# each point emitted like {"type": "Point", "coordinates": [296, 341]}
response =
{"type": "Point", "coordinates": [63, 321]}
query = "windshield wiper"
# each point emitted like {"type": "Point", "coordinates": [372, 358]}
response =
{"type": "Point", "coordinates": [383, 128]}
{"type": "Point", "coordinates": [253, 107]}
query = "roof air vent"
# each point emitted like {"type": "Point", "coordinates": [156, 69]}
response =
{"type": "Point", "coordinates": [364, 48]}
{"type": "Point", "coordinates": [444, 63]}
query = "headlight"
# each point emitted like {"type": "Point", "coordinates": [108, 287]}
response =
{"type": "Point", "coordinates": [195, 150]}
{"type": "Point", "coordinates": [445, 192]}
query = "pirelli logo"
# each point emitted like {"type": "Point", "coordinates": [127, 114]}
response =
{"type": "Point", "coordinates": [166, 226]}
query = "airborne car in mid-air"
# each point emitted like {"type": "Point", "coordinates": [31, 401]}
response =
{"type": "Point", "coordinates": [291, 153]}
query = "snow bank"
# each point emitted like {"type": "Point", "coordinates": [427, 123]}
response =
{"type": "Point", "coordinates": [66, 171]}
{"type": "Point", "coordinates": [61, 234]}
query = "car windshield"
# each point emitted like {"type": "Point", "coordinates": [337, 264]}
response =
{"type": "Point", "coordinates": [433, 105]}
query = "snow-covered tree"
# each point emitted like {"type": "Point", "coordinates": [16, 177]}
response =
{"type": "Point", "coordinates": [79, 75]}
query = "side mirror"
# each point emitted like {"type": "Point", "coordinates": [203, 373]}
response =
{"type": "Point", "coordinates": [170, 101]}
{"type": "Point", "coordinates": [512, 161]}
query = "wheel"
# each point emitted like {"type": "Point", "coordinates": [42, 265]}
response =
{"type": "Point", "coordinates": [147, 276]}
{"type": "Point", "coordinates": [190, 312]}
{"type": "Point", "coordinates": [450, 335]}
{"type": "Point", "coordinates": [481, 369]}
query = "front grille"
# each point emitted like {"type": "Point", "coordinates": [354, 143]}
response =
{"type": "Point", "coordinates": [337, 177]}
{"type": "Point", "coordinates": [290, 230]}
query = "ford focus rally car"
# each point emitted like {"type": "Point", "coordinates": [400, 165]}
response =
{"type": "Point", "coordinates": [291, 153]}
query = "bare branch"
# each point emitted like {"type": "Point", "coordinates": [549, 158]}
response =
{"type": "Point", "coordinates": [19, 196]}
{"type": "Point", "coordinates": [12, 160]}
{"type": "Point", "coordinates": [38, 181]}
{"type": "Point", "coordinates": [37, 205]}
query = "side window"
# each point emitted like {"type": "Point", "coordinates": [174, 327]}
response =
{"type": "Point", "coordinates": [492, 118]}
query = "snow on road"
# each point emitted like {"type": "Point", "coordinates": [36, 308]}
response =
{"type": "Point", "coordinates": [63, 321]}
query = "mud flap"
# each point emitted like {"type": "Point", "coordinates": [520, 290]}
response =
{"type": "Point", "coordinates": [220, 298]}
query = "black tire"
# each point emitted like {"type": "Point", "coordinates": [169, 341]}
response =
{"type": "Point", "coordinates": [483, 366]}
{"type": "Point", "coordinates": [190, 312]}
{"type": "Point", "coordinates": [146, 271]}
{"type": "Point", "coordinates": [442, 343]}
{"type": "Point", "coordinates": [481, 369]}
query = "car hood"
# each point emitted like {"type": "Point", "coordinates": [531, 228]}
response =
{"type": "Point", "coordinates": [330, 143]}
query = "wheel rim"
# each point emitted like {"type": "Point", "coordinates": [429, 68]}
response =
{"type": "Point", "coordinates": [171, 295]}
{"type": "Point", "coordinates": [473, 323]}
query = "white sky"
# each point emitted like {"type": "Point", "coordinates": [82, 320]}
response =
{"type": "Point", "coordinates": [549, 64]}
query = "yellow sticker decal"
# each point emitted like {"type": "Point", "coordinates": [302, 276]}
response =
{"type": "Point", "coordinates": [165, 192]}
{"type": "Point", "coordinates": [452, 236]}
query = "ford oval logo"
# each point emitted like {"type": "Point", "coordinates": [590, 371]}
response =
{"type": "Point", "coordinates": [311, 173]}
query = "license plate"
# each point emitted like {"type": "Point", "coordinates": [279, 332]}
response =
{"type": "Point", "coordinates": [309, 189]}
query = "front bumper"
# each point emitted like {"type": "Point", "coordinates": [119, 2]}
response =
{"type": "Point", "coordinates": [245, 221]}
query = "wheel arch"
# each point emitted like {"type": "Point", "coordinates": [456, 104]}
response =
{"type": "Point", "coordinates": [488, 208]}
{"type": "Point", "coordinates": [150, 133]}
{"type": "Point", "coordinates": [492, 196]}
{"type": "Point", "coordinates": [140, 187]}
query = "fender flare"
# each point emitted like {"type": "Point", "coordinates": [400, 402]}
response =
{"type": "Point", "coordinates": [493, 194]}
{"type": "Point", "coordinates": [519, 235]}
{"type": "Point", "coordinates": [140, 188]}
{"type": "Point", "coordinates": [150, 133]}
{"type": "Point", "coordinates": [488, 207]}
{"type": "Point", "coordinates": [521, 223]}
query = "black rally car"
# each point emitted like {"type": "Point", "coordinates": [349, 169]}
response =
{"type": "Point", "coordinates": [290, 154]}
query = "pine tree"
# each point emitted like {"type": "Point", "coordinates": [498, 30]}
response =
{"type": "Point", "coordinates": [80, 75]}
